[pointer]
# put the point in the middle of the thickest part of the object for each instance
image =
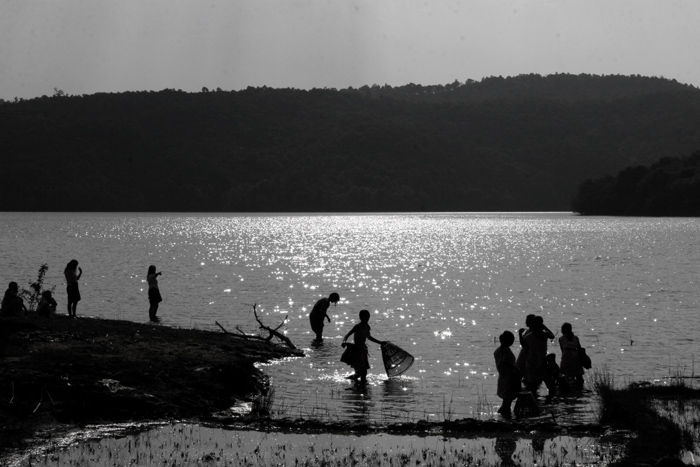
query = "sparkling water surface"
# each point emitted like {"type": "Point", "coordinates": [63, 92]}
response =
{"type": "Point", "coordinates": [443, 286]}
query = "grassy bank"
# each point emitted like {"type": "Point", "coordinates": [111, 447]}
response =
{"type": "Point", "coordinates": [69, 372]}
{"type": "Point", "coordinates": [663, 418]}
{"type": "Point", "coordinates": [59, 374]}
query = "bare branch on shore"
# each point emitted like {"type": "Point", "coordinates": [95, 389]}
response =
{"type": "Point", "coordinates": [272, 332]}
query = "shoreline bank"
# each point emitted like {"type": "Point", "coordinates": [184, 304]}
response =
{"type": "Point", "coordinates": [71, 372]}
{"type": "Point", "coordinates": [59, 375]}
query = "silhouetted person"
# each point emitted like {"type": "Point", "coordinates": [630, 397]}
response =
{"type": "Point", "coordinates": [520, 363]}
{"type": "Point", "coordinates": [508, 375]}
{"type": "Point", "coordinates": [357, 354]}
{"type": "Point", "coordinates": [552, 372]}
{"type": "Point", "coordinates": [319, 313]}
{"type": "Point", "coordinates": [72, 273]}
{"type": "Point", "coordinates": [536, 362]}
{"type": "Point", "coordinates": [47, 305]}
{"type": "Point", "coordinates": [154, 297]}
{"type": "Point", "coordinates": [570, 363]}
{"type": "Point", "coordinates": [12, 304]}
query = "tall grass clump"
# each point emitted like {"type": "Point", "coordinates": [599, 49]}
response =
{"type": "Point", "coordinates": [32, 295]}
{"type": "Point", "coordinates": [603, 383]}
{"type": "Point", "coordinates": [263, 402]}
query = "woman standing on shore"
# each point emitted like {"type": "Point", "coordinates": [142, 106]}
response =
{"type": "Point", "coordinates": [72, 273]}
{"type": "Point", "coordinates": [154, 297]}
{"type": "Point", "coordinates": [570, 362]}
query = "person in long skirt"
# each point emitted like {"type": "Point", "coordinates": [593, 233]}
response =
{"type": "Point", "coordinates": [357, 355]}
{"type": "Point", "coordinates": [570, 362]}
{"type": "Point", "coordinates": [154, 297]}
{"type": "Point", "coordinates": [73, 274]}
{"type": "Point", "coordinates": [508, 375]}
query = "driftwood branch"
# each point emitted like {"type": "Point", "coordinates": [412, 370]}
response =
{"type": "Point", "coordinates": [272, 332]}
{"type": "Point", "coordinates": [242, 335]}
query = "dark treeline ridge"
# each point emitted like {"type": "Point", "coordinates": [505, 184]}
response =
{"type": "Point", "coordinates": [669, 187]}
{"type": "Point", "coordinates": [500, 144]}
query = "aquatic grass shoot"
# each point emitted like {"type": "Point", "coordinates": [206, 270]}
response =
{"type": "Point", "coordinates": [186, 444]}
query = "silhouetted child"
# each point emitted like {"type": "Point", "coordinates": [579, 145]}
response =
{"type": "Point", "coordinates": [154, 297]}
{"type": "Point", "coordinates": [508, 375]}
{"type": "Point", "coordinates": [356, 355]}
{"type": "Point", "coordinates": [552, 373]}
{"type": "Point", "coordinates": [12, 303]}
{"type": "Point", "coordinates": [47, 305]}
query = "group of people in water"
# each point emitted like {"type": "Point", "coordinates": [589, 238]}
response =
{"type": "Point", "coordinates": [534, 365]}
{"type": "Point", "coordinates": [12, 303]}
{"type": "Point", "coordinates": [356, 354]}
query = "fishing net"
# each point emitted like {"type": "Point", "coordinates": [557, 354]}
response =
{"type": "Point", "coordinates": [396, 360]}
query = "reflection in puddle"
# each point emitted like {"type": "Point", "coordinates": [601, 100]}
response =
{"type": "Point", "coordinates": [186, 444]}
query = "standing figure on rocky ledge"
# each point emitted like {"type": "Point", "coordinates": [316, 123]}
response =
{"type": "Point", "coordinates": [72, 273]}
{"type": "Point", "coordinates": [154, 297]}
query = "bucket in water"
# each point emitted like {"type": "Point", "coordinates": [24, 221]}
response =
{"type": "Point", "coordinates": [526, 405]}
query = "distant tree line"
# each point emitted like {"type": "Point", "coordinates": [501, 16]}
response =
{"type": "Point", "coordinates": [499, 144]}
{"type": "Point", "coordinates": [669, 187]}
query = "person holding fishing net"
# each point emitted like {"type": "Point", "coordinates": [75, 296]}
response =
{"type": "Point", "coordinates": [396, 360]}
{"type": "Point", "coordinates": [357, 355]}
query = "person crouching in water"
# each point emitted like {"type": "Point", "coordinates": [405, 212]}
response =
{"type": "Point", "coordinates": [508, 375]}
{"type": "Point", "coordinates": [357, 355]}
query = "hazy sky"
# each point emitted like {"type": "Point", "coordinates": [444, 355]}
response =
{"type": "Point", "coordinates": [88, 46]}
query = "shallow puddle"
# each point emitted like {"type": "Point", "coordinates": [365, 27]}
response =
{"type": "Point", "coordinates": [191, 444]}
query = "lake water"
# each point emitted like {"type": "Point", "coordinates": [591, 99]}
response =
{"type": "Point", "coordinates": [442, 286]}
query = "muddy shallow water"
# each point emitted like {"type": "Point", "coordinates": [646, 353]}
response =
{"type": "Point", "coordinates": [187, 444]}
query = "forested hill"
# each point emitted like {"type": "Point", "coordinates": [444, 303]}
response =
{"type": "Point", "coordinates": [669, 187]}
{"type": "Point", "coordinates": [500, 144]}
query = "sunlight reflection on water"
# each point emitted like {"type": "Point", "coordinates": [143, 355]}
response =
{"type": "Point", "coordinates": [443, 286]}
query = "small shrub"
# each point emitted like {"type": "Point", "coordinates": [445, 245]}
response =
{"type": "Point", "coordinates": [32, 295]}
{"type": "Point", "coordinates": [262, 404]}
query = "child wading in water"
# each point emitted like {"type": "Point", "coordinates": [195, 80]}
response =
{"type": "Point", "coordinates": [508, 374]}
{"type": "Point", "coordinates": [356, 355]}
